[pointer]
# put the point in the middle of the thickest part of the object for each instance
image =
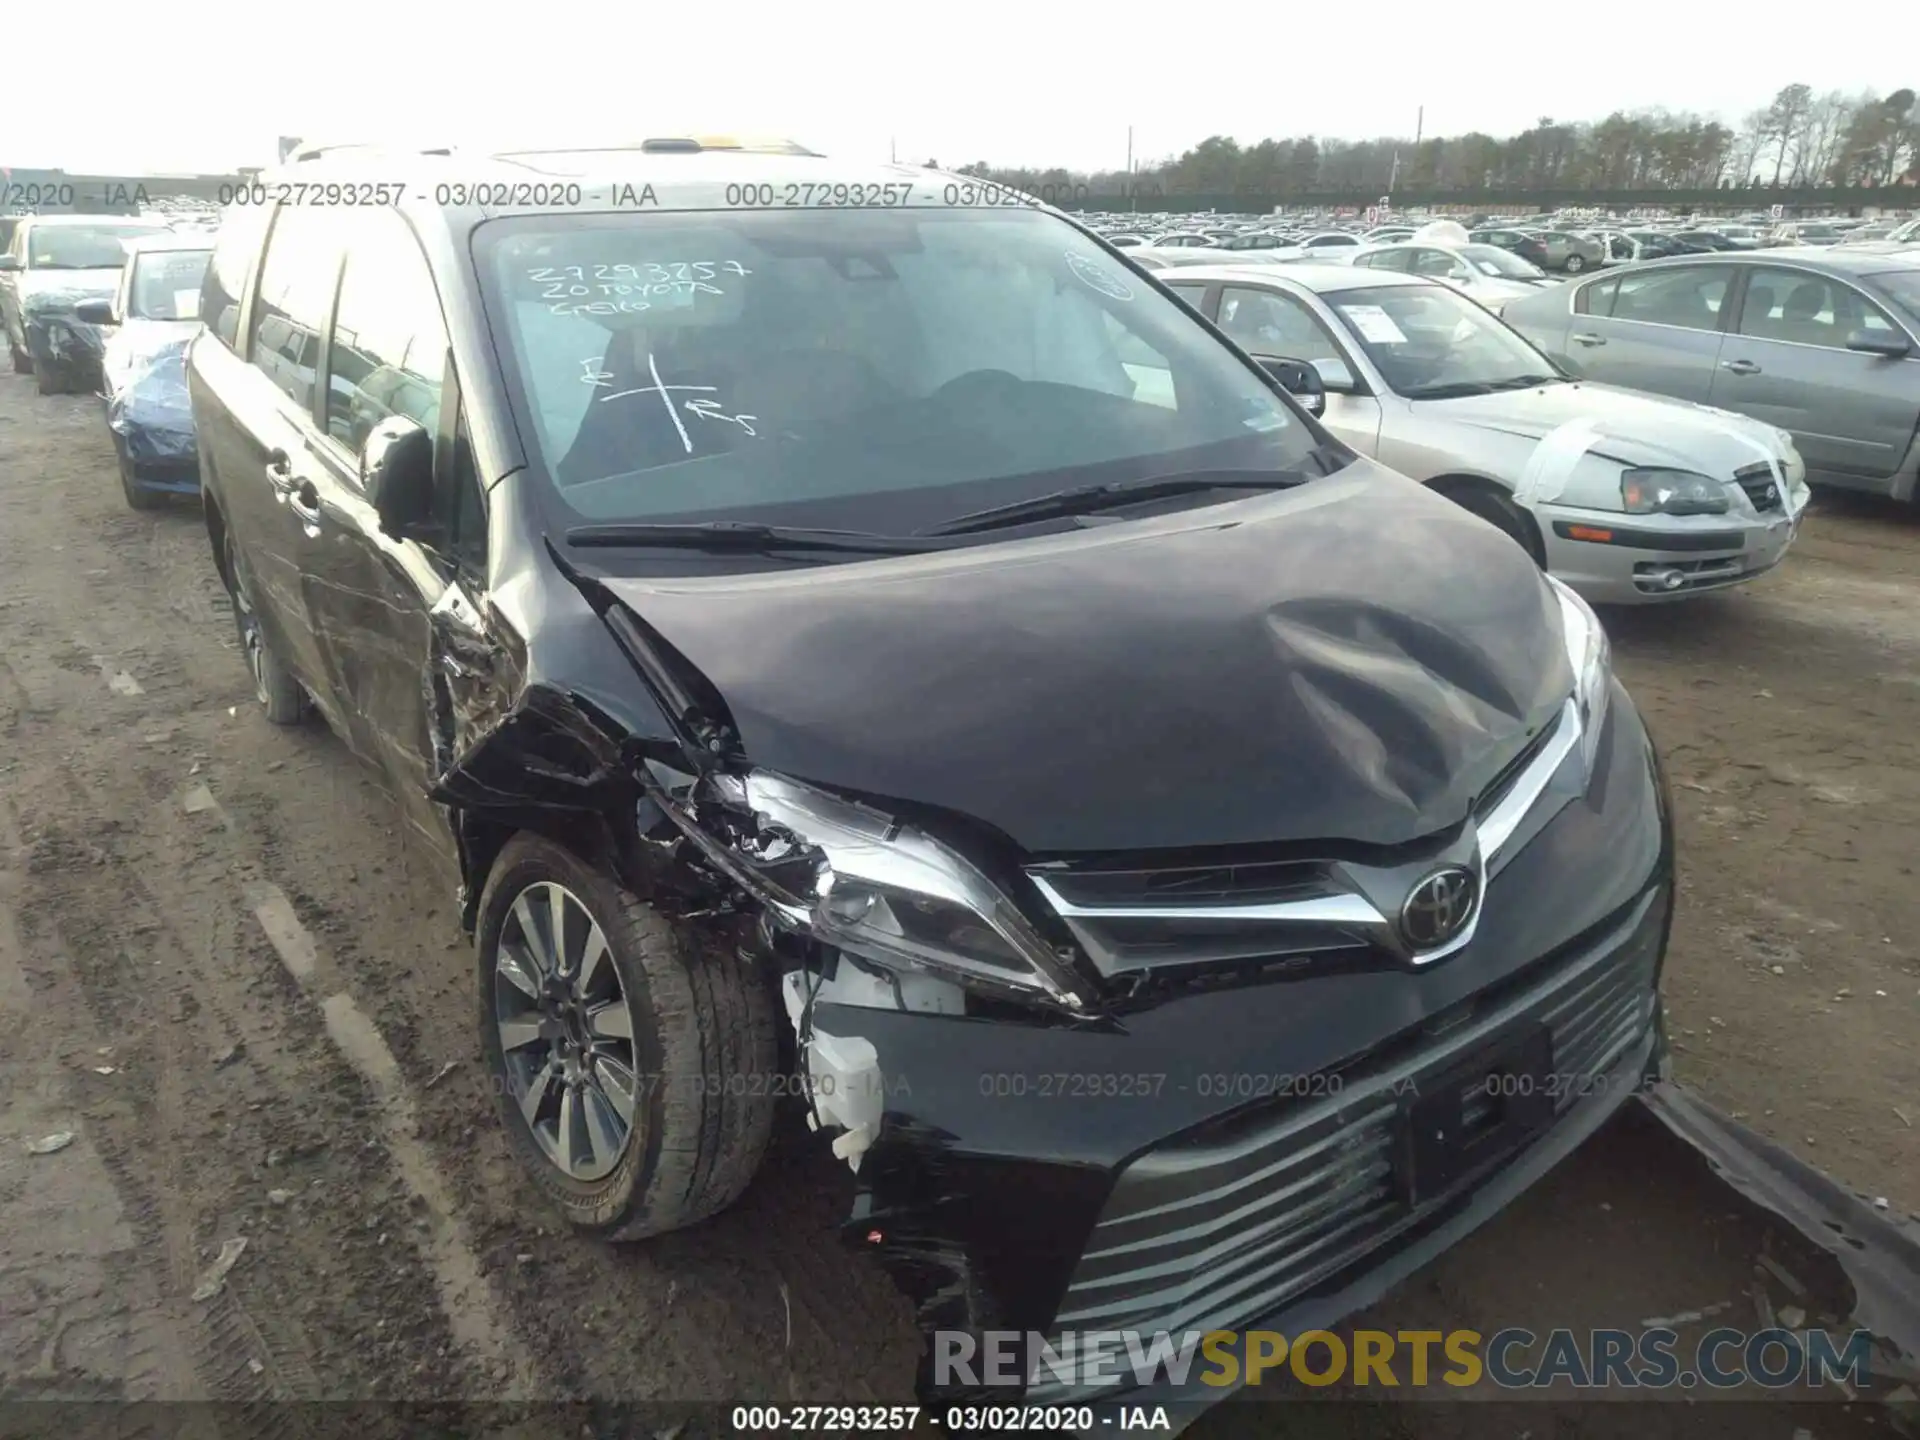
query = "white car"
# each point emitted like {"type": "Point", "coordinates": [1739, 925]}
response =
{"type": "Point", "coordinates": [1489, 274]}
{"type": "Point", "coordinates": [1627, 498]}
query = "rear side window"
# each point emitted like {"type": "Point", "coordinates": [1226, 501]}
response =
{"type": "Point", "coordinates": [242, 228]}
{"type": "Point", "coordinates": [1687, 296]}
{"type": "Point", "coordinates": [1598, 299]}
{"type": "Point", "coordinates": [389, 350]}
{"type": "Point", "coordinates": [297, 281]}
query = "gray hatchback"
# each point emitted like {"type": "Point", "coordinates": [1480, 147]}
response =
{"type": "Point", "coordinates": [1823, 343]}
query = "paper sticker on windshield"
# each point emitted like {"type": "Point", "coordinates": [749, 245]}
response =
{"type": "Point", "coordinates": [1374, 325]}
{"type": "Point", "coordinates": [1098, 276]}
{"type": "Point", "coordinates": [186, 304]}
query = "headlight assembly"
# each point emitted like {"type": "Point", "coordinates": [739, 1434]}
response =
{"type": "Point", "coordinates": [1655, 491]}
{"type": "Point", "coordinates": [888, 892]}
{"type": "Point", "coordinates": [1591, 658]}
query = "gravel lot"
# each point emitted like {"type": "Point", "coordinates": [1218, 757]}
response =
{"type": "Point", "coordinates": [221, 968]}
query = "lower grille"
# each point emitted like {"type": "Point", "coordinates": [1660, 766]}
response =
{"type": "Point", "coordinates": [1218, 1230]}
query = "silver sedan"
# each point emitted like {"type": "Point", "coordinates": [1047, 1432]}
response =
{"type": "Point", "coordinates": [1626, 497]}
{"type": "Point", "coordinates": [1824, 343]}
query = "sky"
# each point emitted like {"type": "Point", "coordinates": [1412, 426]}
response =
{"type": "Point", "coordinates": [207, 85]}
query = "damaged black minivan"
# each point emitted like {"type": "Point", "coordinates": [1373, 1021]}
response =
{"type": "Point", "coordinates": [853, 636]}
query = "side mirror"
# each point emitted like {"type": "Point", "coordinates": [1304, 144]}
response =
{"type": "Point", "coordinates": [1298, 379]}
{"type": "Point", "coordinates": [396, 472]}
{"type": "Point", "coordinates": [95, 312]}
{"type": "Point", "coordinates": [9, 262]}
{"type": "Point", "coordinates": [1887, 346]}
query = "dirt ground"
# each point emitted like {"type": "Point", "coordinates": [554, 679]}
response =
{"type": "Point", "coordinates": [225, 974]}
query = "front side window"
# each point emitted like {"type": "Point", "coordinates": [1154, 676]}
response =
{"type": "Point", "coordinates": [1688, 296]}
{"type": "Point", "coordinates": [100, 246]}
{"type": "Point", "coordinates": [1398, 259]}
{"type": "Point", "coordinates": [167, 285]}
{"type": "Point", "coordinates": [1903, 286]}
{"type": "Point", "coordinates": [1807, 309]}
{"type": "Point", "coordinates": [389, 350]}
{"type": "Point", "coordinates": [1266, 322]}
{"type": "Point", "coordinates": [1431, 343]}
{"type": "Point", "coordinates": [297, 280]}
{"type": "Point", "coordinates": [879, 370]}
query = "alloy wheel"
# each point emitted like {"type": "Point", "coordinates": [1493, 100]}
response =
{"type": "Point", "coordinates": [248, 624]}
{"type": "Point", "coordinates": [566, 1032]}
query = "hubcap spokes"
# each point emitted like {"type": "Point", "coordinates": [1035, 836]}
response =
{"type": "Point", "coordinates": [566, 1031]}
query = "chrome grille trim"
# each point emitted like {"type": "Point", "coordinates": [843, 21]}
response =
{"type": "Point", "coordinates": [1218, 1232]}
{"type": "Point", "coordinates": [1342, 917]}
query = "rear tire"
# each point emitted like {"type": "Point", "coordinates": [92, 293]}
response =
{"type": "Point", "coordinates": [279, 693]}
{"type": "Point", "coordinates": [49, 381]}
{"type": "Point", "coordinates": [665, 1124]}
{"type": "Point", "coordinates": [1575, 264]}
{"type": "Point", "coordinates": [22, 362]}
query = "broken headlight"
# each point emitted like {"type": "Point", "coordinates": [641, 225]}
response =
{"type": "Point", "coordinates": [1591, 658]}
{"type": "Point", "coordinates": [888, 892]}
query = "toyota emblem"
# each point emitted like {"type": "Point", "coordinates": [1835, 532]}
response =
{"type": "Point", "coordinates": [1438, 908]}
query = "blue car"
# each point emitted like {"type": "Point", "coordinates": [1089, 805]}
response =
{"type": "Point", "coordinates": [155, 316]}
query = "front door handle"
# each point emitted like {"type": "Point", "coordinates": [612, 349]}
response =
{"type": "Point", "coordinates": [304, 500]}
{"type": "Point", "coordinates": [279, 470]}
{"type": "Point", "coordinates": [1588, 338]}
{"type": "Point", "coordinates": [1740, 367]}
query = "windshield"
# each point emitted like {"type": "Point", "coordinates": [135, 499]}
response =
{"type": "Point", "coordinates": [1904, 288]}
{"type": "Point", "coordinates": [1428, 341]}
{"type": "Point", "coordinates": [83, 247]}
{"type": "Point", "coordinates": [880, 370]}
{"type": "Point", "coordinates": [166, 285]}
{"type": "Point", "coordinates": [1492, 260]}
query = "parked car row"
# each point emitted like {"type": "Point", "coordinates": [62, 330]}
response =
{"type": "Point", "coordinates": [52, 264]}
{"type": "Point", "coordinates": [109, 304]}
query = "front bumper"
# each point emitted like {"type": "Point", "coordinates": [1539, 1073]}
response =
{"type": "Point", "coordinates": [1259, 1155]}
{"type": "Point", "coordinates": [1613, 559]}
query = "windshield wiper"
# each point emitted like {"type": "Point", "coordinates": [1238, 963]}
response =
{"type": "Point", "coordinates": [1086, 499]}
{"type": "Point", "coordinates": [1448, 390]}
{"type": "Point", "coordinates": [745, 535]}
{"type": "Point", "coordinates": [1525, 382]}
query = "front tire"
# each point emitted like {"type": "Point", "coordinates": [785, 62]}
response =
{"type": "Point", "coordinates": [22, 362]}
{"type": "Point", "coordinates": [1575, 264]}
{"type": "Point", "coordinates": [1501, 513]}
{"type": "Point", "coordinates": [137, 498]}
{"type": "Point", "coordinates": [49, 381]}
{"type": "Point", "coordinates": [630, 1064]}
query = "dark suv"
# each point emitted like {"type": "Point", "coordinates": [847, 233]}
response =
{"type": "Point", "coordinates": [853, 636]}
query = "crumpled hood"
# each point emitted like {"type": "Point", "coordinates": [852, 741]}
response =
{"type": "Point", "coordinates": [63, 289]}
{"type": "Point", "coordinates": [1352, 660]}
{"type": "Point", "coordinates": [1635, 428]}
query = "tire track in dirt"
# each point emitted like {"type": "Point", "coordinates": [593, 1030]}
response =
{"type": "Point", "coordinates": [146, 916]}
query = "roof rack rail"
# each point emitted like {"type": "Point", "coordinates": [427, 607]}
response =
{"type": "Point", "coordinates": [314, 152]}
